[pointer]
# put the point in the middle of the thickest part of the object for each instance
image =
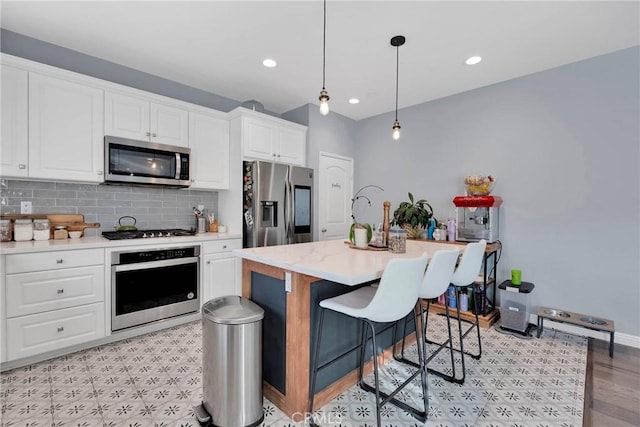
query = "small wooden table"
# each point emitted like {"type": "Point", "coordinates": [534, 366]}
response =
{"type": "Point", "coordinates": [577, 319]}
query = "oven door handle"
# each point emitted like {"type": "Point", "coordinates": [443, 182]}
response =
{"type": "Point", "coordinates": [154, 264]}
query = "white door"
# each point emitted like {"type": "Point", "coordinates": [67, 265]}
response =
{"type": "Point", "coordinates": [335, 176]}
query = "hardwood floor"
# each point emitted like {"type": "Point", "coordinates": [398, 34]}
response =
{"type": "Point", "coordinates": [612, 391]}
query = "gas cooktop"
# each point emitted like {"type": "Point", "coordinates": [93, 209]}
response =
{"type": "Point", "coordinates": [146, 234]}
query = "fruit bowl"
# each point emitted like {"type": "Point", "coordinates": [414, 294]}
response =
{"type": "Point", "coordinates": [478, 185]}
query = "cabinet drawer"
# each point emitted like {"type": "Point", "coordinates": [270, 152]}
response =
{"type": "Point", "coordinates": [222, 246]}
{"type": "Point", "coordinates": [30, 293]}
{"type": "Point", "coordinates": [22, 263]}
{"type": "Point", "coordinates": [39, 333]}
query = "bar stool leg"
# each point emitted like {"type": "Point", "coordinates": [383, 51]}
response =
{"type": "Point", "coordinates": [422, 357]}
{"type": "Point", "coordinates": [375, 367]}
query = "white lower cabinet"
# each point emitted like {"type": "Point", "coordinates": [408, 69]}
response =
{"type": "Point", "coordinates": [52, 300]}
{"type": "Point", "coordinates": [53, 330]}
{"type": "Point", "coordinates": [222, 270]}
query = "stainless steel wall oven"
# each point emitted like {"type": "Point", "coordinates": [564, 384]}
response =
{"type": "Point", "coordinates": [152, 285]}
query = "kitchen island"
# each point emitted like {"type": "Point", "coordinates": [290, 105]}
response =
{"type": "Point", "coordinates": [288, 282]}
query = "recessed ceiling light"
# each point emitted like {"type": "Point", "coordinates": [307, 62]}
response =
{"type": "Point", "coordinates": [473, 60]}
{"type": "Point", "coordinates": [354, 101]}
{"type": "Point", "coordinates": [269, 63]}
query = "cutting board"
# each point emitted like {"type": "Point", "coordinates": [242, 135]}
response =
{"type": "Point", "coordinates": [73, 222]}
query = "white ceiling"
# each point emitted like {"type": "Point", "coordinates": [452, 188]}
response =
{"type": "Point", "coordinates": [218, 46]}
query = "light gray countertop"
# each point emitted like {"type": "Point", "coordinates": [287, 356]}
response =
{"type": "Point", "coordinates": [334, 260]}
{"type": "Point", "coordinates": [100, 242]}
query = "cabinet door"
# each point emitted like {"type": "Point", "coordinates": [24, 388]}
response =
{"type": "Point", "coordinates": [126, 117]}
{"type": "Point", "coordinates": [65, 130]}
{"type": "Point", "coordinates": [14, 146]}
{"type": "Point", "coordinates": [257, 139]}
{"type": "Point", "coordinates": [209, 143]}
{"type": "Point", "coordinates": [169, 125]}
{"type": "Point", "coordinates": [222, 276]}
{"type": "Point", "coordinates": [291, 146]}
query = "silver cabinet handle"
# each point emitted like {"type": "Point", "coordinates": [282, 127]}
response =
{"type": "Point", "coordinates": [100, 172]}
{"type": "Point", "coordinates": [208, 262]}
{"type": "Point", "coordinates": [59, 261]}
{"type": "Point", "coordinates": [278, 155]}
{"type": "Point", "coordinates": [147, 133]}
{"type": "Point", "coordinates": [21, 166]}
{"type": "Point", "coordinates": [324, 230]}
{"type": "Point", "coordinates": [224, 246]}
{"type": "Point", "coordinates": [60, 291]}
{"type": "Point", "coordinates": [153, 135]}
{"type": "Point", "coordinates": [60, 328]}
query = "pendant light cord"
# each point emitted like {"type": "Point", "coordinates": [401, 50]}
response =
{"type": "Point", "coordinates": [324, 42]}
{"type": "Point", "coordinates": [397, 72]}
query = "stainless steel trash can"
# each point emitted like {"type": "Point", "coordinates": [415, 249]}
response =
{"type": "Point", "coordinates": [232, 361]}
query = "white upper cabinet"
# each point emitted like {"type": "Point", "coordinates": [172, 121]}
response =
{"type": "Point", "coordinates": [65, 129]}
{"type": "Point", "coordinates": [269, 138]}
{"type": "Point", "coordinates": [14, 146]}
{"type": "Point", "coordinates": [209, 143]}
{"type": "Point", "coordinates": [138, 118]}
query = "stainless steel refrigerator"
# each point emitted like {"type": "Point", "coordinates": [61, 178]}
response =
{"type": "Point", "coordinates": [278, 204]}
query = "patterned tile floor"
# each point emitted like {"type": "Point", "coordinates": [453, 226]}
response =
{"type": "Point", "coordinates": [155, 379]}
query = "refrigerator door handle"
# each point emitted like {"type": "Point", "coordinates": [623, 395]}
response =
{"type": "Point", "coordinates": [288, 209]}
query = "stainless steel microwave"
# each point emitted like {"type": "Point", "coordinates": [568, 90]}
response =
{"type": "Point", "coordinates": [134, 162]}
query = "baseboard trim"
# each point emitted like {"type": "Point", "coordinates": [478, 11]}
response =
{"type": "Point", "coordinates": [619, 338]}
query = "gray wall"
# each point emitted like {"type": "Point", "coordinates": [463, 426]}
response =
{"type": "Point", "coordinates": [564, 146]}
{"type": "Point", "coordinates": [152, 207]}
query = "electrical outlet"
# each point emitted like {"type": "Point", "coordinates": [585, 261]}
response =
{"type": "Point", "coordinates": [26, 207]}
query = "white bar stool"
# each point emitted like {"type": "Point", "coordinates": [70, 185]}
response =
{"type": "Point", "coordinates": [435, 282]}
{"type": "Point", "coordinates": [464, 276]}
{"type": "Point", "coordinates": [393, 299]}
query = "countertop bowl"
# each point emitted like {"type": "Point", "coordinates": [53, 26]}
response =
{"type": "Point", "coordinates": [75, 234]}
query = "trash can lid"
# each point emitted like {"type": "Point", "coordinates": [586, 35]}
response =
{"type": "Point", "coordinates": [232, 310]}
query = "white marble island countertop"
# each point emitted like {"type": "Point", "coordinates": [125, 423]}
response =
{"type": "Point", "coordinates": [334, 260]}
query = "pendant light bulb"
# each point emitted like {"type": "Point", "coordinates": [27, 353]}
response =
{"type": "Point", "coordinates": [396, 131]}
{"type": "Point", "coordinates": [324, 102]}
{"type": "Point", "coordinates": [396, 42]}
{"type": "Point", "coordinates": [324, 96]}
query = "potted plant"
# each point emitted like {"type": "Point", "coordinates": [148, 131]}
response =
{"type": "Point", "coordinates": [413, 216]}
{"type": "Point", "coordinates": [355, 223]}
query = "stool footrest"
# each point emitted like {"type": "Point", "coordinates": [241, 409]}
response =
{"type": "Point", "coordinates": [388, 398]}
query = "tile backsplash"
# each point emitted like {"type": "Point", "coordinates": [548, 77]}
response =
{"type": "Point", "coordinates": [152, 207]}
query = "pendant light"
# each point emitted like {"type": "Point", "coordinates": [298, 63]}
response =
{"type": "Point", "coordinates": [397, 41]}
{"type": "Point", "coordinates": [324, 96]}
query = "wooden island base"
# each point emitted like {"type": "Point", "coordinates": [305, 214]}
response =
{"type": "Point", "coordinates": [289, 391]}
